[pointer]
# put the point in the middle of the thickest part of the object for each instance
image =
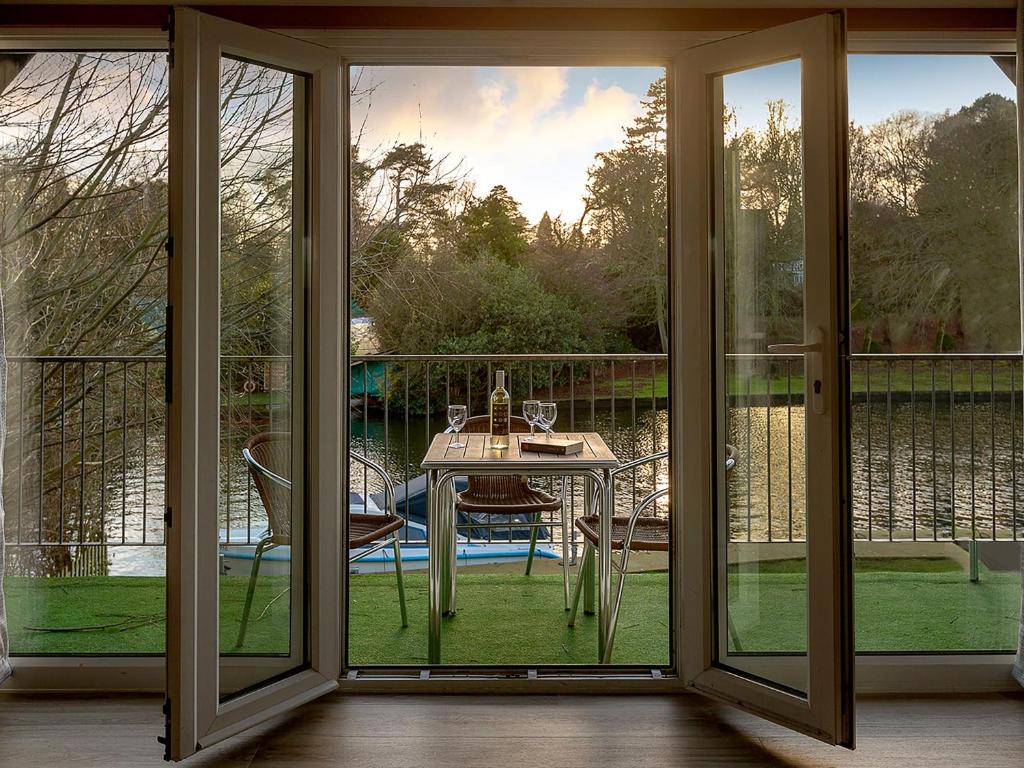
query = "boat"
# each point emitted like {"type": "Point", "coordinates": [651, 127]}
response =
{"type": "Point", "coordinates": [411, 503]}
{"type": "Point", "coordinates": [236, 558]}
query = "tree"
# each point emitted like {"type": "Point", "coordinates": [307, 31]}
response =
{"type": "Point", "coordinates": [896, 158]}
{"type": "Point", "coordinates": [494, 226]}
{"type": "Point", "coordinates": [968, 211]}
{"type": "Point", "coordinates": [83, 204]}
{"type": "Point", "coordinates": [625, 220]}
{"type": "Point", "coordinates": [404, 202]}
{"type": "Point", "coordinates": [764, 231]}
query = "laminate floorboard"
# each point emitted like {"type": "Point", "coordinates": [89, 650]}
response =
{"type": "Point", "coordinates": [50, 731]}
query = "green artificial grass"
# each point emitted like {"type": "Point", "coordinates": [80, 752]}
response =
{"type": "Point", "coordinates": [113, 615]}
{"type": "Point", "coordinates": [504, 619]}
{"type": "Point", "coordinates": [902, 604]}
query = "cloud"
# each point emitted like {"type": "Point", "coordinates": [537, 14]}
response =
{"type": "Point", "coordinates": [530, 128]}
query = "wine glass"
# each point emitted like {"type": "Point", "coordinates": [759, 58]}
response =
{"type": "Point", "coordinates": [531, 412]}
{"type": "Point", "coordinates": [457, 415]}
{"type": "Point", "coordinates": [548, 414]}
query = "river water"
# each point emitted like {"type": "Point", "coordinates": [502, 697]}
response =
{"type": "Point", "coordinates": [919, 470]}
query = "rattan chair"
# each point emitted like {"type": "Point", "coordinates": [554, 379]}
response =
{"type": "Point", "coordinates": [268, 456]}
{"type": "Point", "coordinates": [630, 533]}
{"type": "Point", "coordinates": [512, 495]}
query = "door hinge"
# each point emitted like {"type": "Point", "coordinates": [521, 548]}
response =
{"type": "Point", "coordinates": [169, 354]}
{"type": "Point", "coordinates": [169, 247]}
{"type": "Point", "coordinates": [166, 738]}
{"type": "Point", "coordinates": [168, 517]}
{"type": "Point", "coordinates": [168, 27]}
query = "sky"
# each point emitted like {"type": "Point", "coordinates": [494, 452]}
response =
{"type": "Point", "coordinates": [536, 129]}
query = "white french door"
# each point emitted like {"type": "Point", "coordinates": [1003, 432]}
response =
{"type": "Point", "coordinates": [256, 280]}
{"type": "Point", "coordinates": [759, 190]}
{"type": "Point", "coordinates": [256, 190]}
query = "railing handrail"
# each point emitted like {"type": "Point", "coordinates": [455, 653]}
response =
{"type": "Point", "coordinates": [661, 356]}
{"type": "Point", "coordinates": [556, 357]}
{"type": "Point", "coordinates": [954, 356]}
{"type": "Point", "coordinates": [389, 358]}
{"type": "Point", "coordinates": [86, 358]}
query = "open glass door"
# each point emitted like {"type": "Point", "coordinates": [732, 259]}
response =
{"type": "Point", "coordinates": [760, 190]}
{"type": "Point", "coordinates": [256, 276]}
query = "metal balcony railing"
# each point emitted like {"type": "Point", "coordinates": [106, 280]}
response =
{"type": "Point", "coordinates": [936, 438]}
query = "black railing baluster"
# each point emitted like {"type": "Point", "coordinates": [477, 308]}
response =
{"type": "Point", "coordinates": [611, 374]}
{"type": "Point", "coordinates": [935, 463]}
{"type": "Point", "coordinates": [145, 448]}
{"type": "Point", "coordinates": [974, 507]}
{"type": "Point", "coordinates": [405, 471]}
{"type": "Point", "coordinates": [21, 450]}
{"type": "Point", "coordinates": [81, 460]}
{"type": "Point", "coordinates": [789, 441]}
{"type": "Point", "coordinates": [906, 501]}
{"type": "Point", "coordinates": [750, 462]}
{"type": "Point", "coordinates": [593, 399]}
{"type": "Point", "coordinates": [366, 434]}
{"type": "Point", "coordinates": [124, 451]}
{"type": "Point", "coordinates": [888, 439]}
{"type": "Point", "coordinates": [952, 453]}
{"type": "Point", "coordinates": [572, 396]}
{"type": "Point", "coordinates": [768, 443]}
{"type": "Point", "coordinates": [63, 420]}
{"type": "Point", "coordinates": [42, 444]}
{"type": "Point", "coordinates": [103, 450]}
{"type": "Point", "coordinates": [913, 452]}
{"type": "Point", "coordinates": [1013, 449]}
{"type": "Point", "coordinates": [229, 406]}
{"type": "Point", "coordinates": [632, 406]}
{"type": "Point", "coordinates": [992, 436]}
{"type": "Point", "coordinates": [654, 421]}
{"type": "Point", "coordinates": [871, 486]}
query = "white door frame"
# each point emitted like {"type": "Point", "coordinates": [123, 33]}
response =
{"type": "Point", "coordinates": [884, 673]}
{"type": "Point", "coordinates": [826, 710]}
{"type": "Point", "coordinates": [197, 715]}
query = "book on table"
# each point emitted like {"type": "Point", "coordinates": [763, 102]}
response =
{"type": "Point", "coordinates": [557, 445]}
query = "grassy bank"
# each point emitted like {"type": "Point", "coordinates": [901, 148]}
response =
{"type": "Point", "coordinates": [897, 379]}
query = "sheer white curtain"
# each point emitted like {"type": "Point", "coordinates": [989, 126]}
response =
{"type": "Point", "coordinates": [5, 665]}
{"type": "Point", "coordinates": [10, 65]}
{"type": "Point", "coordinates": [1018, 667]}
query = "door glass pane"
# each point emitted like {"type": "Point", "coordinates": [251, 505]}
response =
{"type": "Point", "coordinates": [762, 556]}
{"type": "Point", "coordinates": [455, 250]}
{"type": "Point", "coordinates": [261, 467]}
{"type": "Point", "coordinates": [935, 334]}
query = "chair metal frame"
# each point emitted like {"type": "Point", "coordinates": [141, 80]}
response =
{"type": "Point", "coordinates": [266, 543]}
{"type": "Point", "coordinates": [585, 579]}
{"type": "Point", "coordinates": [584, 582]}
{"type": "Point", "coordinates": [568, 539]}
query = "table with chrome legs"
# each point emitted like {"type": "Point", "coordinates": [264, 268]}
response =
{"type": "Point", "coordinates": [443, 464]}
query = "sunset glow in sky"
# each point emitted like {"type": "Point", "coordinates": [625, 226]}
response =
{"type": "Point", "coordinates": [536, 129]}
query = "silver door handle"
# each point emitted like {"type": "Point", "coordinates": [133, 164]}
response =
{"type": "Point", "coordinates": [812, 349]}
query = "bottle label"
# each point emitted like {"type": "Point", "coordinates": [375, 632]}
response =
{"type": "Point", "coordinates": [499, 419]}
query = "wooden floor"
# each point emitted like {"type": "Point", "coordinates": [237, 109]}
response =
{"type": "Point", "coordinates": [525, 732]}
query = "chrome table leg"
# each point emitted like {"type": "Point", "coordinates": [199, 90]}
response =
{"type": "Point", "coordinates": [450, 515]}
{"type": "Point", "coordinates": [435, 553]}
{"type": "Point", "coordinates": [604, 561]}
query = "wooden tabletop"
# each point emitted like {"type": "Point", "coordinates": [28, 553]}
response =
{"type": "Point", "coordinates": [478, 454]}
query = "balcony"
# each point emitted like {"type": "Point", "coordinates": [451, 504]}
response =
{"type": "Point", "coordinates": [936, 446]}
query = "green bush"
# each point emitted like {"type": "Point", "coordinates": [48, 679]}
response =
{"type": "Point", "coordinates": [481, 307]}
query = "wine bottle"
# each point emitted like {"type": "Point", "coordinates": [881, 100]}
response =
{"type": "Point", "coordinates": [499, 413]}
